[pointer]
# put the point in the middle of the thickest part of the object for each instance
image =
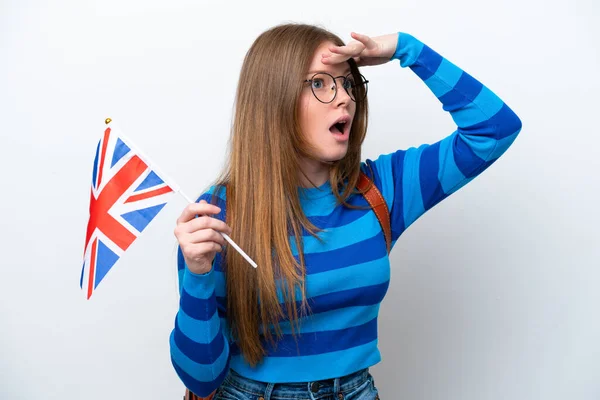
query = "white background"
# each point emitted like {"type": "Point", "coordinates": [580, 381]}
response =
{"type": "Point", "coordinates": [494, 293]}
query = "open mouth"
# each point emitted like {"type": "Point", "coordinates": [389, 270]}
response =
{"type": "Point", "coordinates": [339, 128]}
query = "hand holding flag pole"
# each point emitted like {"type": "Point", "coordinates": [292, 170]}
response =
{"type": "Point", "coordinates": [226, 237]}
{"type": "Point", "coordinates": [128, 191]}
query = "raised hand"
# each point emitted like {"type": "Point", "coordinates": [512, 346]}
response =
{"type": "Point", "coordinates": [365, 50]}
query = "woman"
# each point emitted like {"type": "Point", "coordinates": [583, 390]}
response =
{"type": "Point", "coordinates": [304, 323]}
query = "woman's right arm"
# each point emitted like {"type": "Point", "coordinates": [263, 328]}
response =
{"type": "Point", "coordinates": [199, 347]}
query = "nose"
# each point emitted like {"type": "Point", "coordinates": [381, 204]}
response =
{"type": "Point", "coordinates": [342, 96]}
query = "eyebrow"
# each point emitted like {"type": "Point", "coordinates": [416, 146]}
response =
{"type": "Point", "coordinates": [346, 72]}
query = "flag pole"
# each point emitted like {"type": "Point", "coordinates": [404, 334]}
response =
{"type": "Point", "coordinates": [176, 188]}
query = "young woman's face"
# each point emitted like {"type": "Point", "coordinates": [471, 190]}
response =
{"type": "Point", "coordinates": [318, 120]}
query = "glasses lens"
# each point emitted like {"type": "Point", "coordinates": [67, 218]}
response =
{"type": "Point", "coordinates": [356, 87]}
{"type": "Point", "coordinates": [323, 87]}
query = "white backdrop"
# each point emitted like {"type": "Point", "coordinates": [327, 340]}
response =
{"type": "Point", "coordinates": [494, 292]}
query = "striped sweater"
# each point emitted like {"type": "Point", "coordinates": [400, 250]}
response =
{"type": "Point", "coordinates": [348, 272]}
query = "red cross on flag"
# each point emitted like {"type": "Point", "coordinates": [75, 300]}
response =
{"type": "Point", "coordinates": [127, 193]}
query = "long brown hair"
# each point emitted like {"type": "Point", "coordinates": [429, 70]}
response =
{"type": "Point", "coordinates": [261, 177]}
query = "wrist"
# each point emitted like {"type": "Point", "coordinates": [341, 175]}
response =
{"type": "Point", "coordinates": [200, 270]}
{"type": "Point", "coordinates": [408, 49]}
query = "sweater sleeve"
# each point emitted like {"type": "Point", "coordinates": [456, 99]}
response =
{"type": "Point", "coordinates": [199, 342]}
{"type": "Point", "coordinates": [415, 180]}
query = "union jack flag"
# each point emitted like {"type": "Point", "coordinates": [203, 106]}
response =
{"type": "Point", "coordinates": [126, 195]}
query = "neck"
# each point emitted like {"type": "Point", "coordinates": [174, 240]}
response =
{"type": "Point", "coordinates": [317, 172]}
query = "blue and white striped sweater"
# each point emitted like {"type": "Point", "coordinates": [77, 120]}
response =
{"type": "Point", "coordinates": [347, 274]}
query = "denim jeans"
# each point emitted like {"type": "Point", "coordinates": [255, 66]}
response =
{"type": "Point", "coordinates": [357, 386]}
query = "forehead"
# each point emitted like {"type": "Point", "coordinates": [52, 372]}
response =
{"type": "Point", "coordinates": [317, 66]}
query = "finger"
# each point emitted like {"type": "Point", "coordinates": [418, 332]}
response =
{"type": "Point", "coordinates": [193, 209]}
{"type": "Point", "coordinates": [327, 55]}
{"type": "Point", "coordinates": [205, 222]}
{"type": "Point", "coordinates": [199, 249]}
{"type": "Point", "coordinates": [364, 39]}
{"type": "Point", "coordinates": [206, 235]}
{"type": "Point", "coordinates": [334, 59]}
{"type": "Point", "coordinates": [351, 49]}
{"type": "Point", "coordinates": [336, 49]}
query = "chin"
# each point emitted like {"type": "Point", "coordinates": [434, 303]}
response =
{"type": "Point", "coordinates": [329, 158]}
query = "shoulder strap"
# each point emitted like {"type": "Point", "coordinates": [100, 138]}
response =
{"type": "Point", "coordinates": [377, 203]}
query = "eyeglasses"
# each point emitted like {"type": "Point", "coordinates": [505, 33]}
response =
{"type": "Point", "coordinates": [324, 86]}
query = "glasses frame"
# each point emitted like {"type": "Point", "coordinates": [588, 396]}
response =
{"type": "Point", "coordinates": [335, 78]}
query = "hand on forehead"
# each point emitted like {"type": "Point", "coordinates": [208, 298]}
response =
{"type": "Point", "coordinates": [339, 67]}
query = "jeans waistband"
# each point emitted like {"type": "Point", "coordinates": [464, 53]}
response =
{"type": "Point", "coordinates": [313, 389]}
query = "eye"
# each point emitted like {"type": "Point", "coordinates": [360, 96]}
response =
{"type": "Point", "coordinates": [317, 83]}
{"type": "Point", "coordinates": [349, 83]}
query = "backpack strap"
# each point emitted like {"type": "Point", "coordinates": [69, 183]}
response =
{"type": "Point", "coordinates": [377, 203]}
